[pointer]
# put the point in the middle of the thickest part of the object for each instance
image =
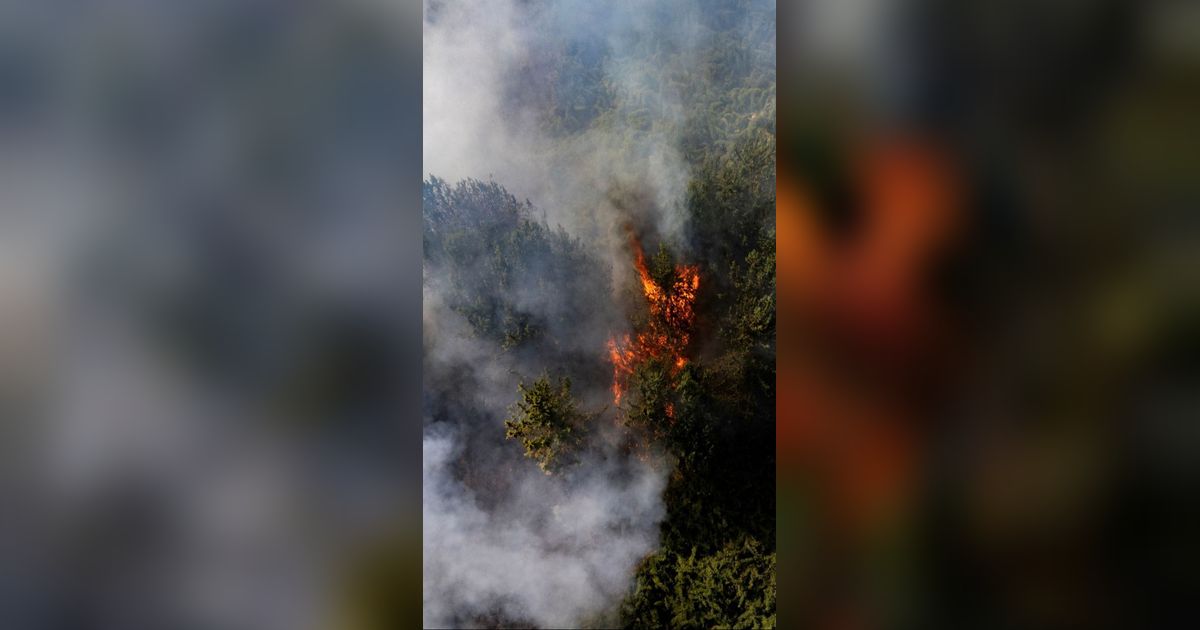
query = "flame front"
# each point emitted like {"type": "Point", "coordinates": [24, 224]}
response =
{"type": "Point", "coordinates": [669, 329]}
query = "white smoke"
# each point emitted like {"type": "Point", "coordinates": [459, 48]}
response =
{"type": "Point", "coordinates": [472, 50]}
{"type": "Point", "coordinates": [560, 551]}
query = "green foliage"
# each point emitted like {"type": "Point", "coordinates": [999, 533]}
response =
{"type": "Point", "coordinates": [662, 267]}
{"type": "Point", "coordinates": [547, 422]}
{"type": "Point", "coordinates": [732, 588]}
{"type": "Point", "coordinates": [693, 430]}
{"type": "Point", "coordinates": [748, 327]}
{"type": "Point", "coordinates": [650, 393]}
{"type": "Point", "coordinates": [731, 199]}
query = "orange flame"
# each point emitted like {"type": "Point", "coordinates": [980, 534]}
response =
{"type": "Point", "coordinates": [669, 329]}
{"type": "Point", "coordinates": [622, 356]}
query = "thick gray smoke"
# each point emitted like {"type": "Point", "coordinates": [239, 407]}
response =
{"type": "Point", "coordinates": [503, 542]}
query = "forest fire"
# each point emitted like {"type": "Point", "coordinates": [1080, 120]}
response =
{"type": "Point", "coordinates": [668, 328]}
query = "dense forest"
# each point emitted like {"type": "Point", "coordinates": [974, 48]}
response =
{"type": "Point", "coordinates": [659, 350]}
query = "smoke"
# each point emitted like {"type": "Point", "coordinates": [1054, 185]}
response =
{"type": "Point", "coordinates": [487, 86]}
{"type": "Point", "coordinates": [581, 109]}
{"type": "Point", "coordinates": [557, 552]}
{"type": "Point", "coordinates": [503, 542]}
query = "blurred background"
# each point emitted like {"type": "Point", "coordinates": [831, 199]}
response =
{"type": "Point", "coordinates": [209, 313]}
{"type": "Point", "coordinates": [988, 313]}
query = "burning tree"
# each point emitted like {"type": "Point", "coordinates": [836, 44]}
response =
{"type": "Point", "coordinates": [714, 413]}
{"type": "Point", "coordinates": [670, 299]}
